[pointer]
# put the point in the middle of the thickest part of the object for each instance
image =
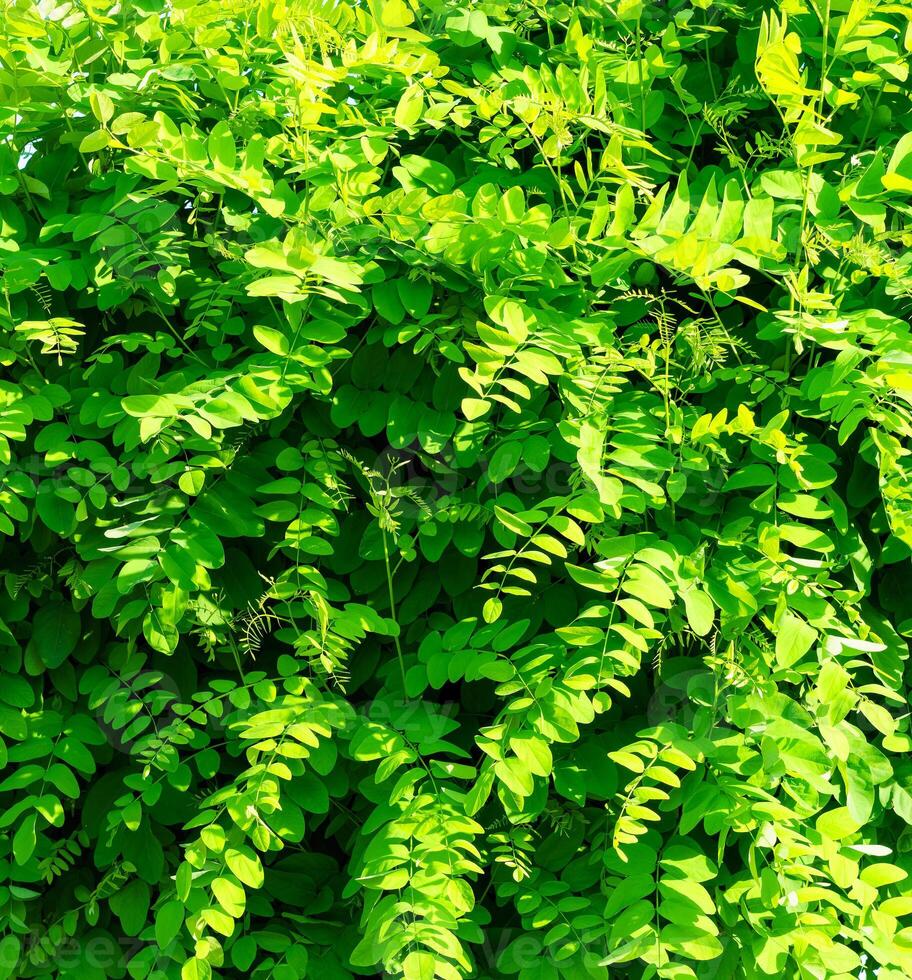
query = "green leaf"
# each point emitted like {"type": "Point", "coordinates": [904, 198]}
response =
{"type": "Point", "coordinates": [691, 892]}
{"type": "Point", "coordinates": [645, 584]}
{"type": "Point", "coordinates": [504, 461]}
{"type": "Point", "coordinates": [195, 969]}
{"type": "Point", "coordinates": [836, 824]}
{"type": "Point", "coordinates": [410, 107]}
{"type": "Point", "coordinates": [419, 966]}
{"type": "Point", "coordinates": [243, 953]}
{"type": "Point", "coordinates": [793, 640]}
{"type": "Point", "coordinates": [492, 609]}
{"type": "Point", "coordinates": [25, 840]}
{"type": "Point", "coordinates": [700, 611]}
{"type": "Point", "coordinates": [95, 141]}
{"type": "Point", "coordinates": [56, 513]}
{"type": "Point", "coordinates": [513, 523]}
{"type": "Point", "coordinates": [192, 482]}
{"type": "Point", "coordinates": [435, 175]}
{"type": "Point", "coordinates": [10, 951]}
{"type": "Point", "coordinates": [102, 106]}
{"type": "Point", "coordinates": [245, 865]}
{"type": "Point", "coordinates": [55, 633]}
{"type": "Point", "coordinates": [230, 896]}
{"type": "Point", "coordinates": [168, 921]}
{"type": "Point", "coordinates": [131, 905]}
{"type": "Point", "coordinates": [512, 206]}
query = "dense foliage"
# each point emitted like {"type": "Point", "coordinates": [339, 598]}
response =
{"type": "Point", "coordinates": [456, 489]}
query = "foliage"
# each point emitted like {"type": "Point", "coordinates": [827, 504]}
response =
{"type": "Point", "coordinates": [456, 489]}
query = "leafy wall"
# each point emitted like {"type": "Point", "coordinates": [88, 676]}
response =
{"type": "Point", "coordinates": [456, 489]}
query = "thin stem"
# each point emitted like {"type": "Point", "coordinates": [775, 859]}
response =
{"type": "Point", "coordinates": [392, 600]}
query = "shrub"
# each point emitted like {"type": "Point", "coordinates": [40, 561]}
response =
{"type": "Point", "coordinates": [456, 489]}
